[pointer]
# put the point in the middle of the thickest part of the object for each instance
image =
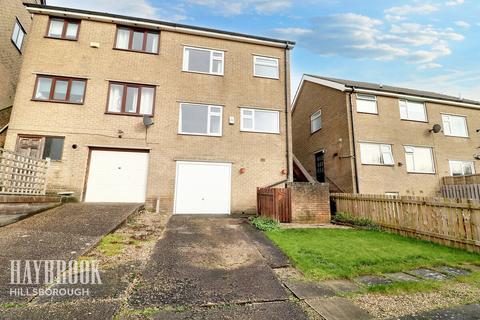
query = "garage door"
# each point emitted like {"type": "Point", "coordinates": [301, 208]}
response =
{"type": "Point", "coordinates": [202, 188]}
{"type": "Point", "coordinates": [117, 176]}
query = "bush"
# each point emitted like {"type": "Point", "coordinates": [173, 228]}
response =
{"type": "Point", "coordinates": [265, 224]}
{"type": "Point", "coordinates": [343, 217]}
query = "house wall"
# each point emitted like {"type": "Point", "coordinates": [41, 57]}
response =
{"type": "Point", "coordinates": [263, 155]}
{"type": "Point", "coordinates": [334, 137]}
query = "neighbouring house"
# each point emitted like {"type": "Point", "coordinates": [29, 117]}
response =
{"type": "Point", "coordinates": [186, 119]}
{"type": "Point", "coordinates": [15, 24]}
{"type": "Point", "coordinates": [377, 139]}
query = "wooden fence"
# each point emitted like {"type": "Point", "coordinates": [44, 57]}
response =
{"type": "Point", "coordinates": [22, 175]}
{"type": "Point", "coordinates": [446, 221]}
{"type": "Point", "coordinates": [275, 203]}
{"type": "Point", "coordinates": [461, 187]}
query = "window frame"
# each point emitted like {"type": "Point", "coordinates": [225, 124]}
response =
{"type": "Point", "coordinates": [455, 116]}
{"type": "Point", "coordinates": [415, 101]}
{"type": "Point", "coordinates": [382, 160]}
{"type": "Point", "coordinates": [43, 139]}
{"type": "Point", "coordinates": [21, 29]}
{"type": "Point", "coordinates": [210, 113]}
{"type": "Point", "coordinates": [277, 60]}
{"type": "Point", "coordinates": [359, 97]}
{"type": "Point", "coordinates": [66, 21]}
{"type": "Point", "coordinates": [254, 110]}
{"type": "Point", "coordinates": [126, 85]}
{"type": "Point", "coordinates": [130, 39]}
{"type": "Point", "coordinates": [212, 51]}
{"type": "Point", "coordinates": [316, 115]}
{"type": "Point", "coordinates": [432, 155]}
{"type": "Point", "coordinates": [462, 162]}
{"type": "Point", "coordinates": [52, 89]}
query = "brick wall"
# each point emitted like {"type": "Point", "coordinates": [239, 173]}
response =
{"type": "Point", "coordinates": [310, 202]}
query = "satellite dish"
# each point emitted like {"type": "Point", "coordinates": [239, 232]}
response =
{"type": "Point", "coordinates": [147, 120]}
{"type": "Point", "coordinates": [436, 128]}
{"type": "Point", "coordinates": [477, 156]}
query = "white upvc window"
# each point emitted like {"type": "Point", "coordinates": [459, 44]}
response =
{"type": "Point", "coordinates": [265, 67]}
{"type": "Point", "coordinates": [258, 120]}
{"type": "Point", "coordinates": [461, 168]}
{"type": "Point", "coordinates": [18, 35]}
{"type": "Point", "coordinates": [203, 60]}
{"type": "Point", "coordinates": [367, 103]}
{"type": "Point", "coordinates": [316, 121]}
{"type": "Point", "coordinates": [419, 159]}
{"type": "Point", "coordinates": [200, 119]}
{"type": "Point", "coordinates": [455, 126]}
{"type": "Point", "coordinates": [413, 110]}
{"type": "Point", "coordinates": [376, 153]}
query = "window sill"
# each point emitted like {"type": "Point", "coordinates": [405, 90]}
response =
{"type": "Point", "coordinates": [137, 51]}
{"type": "Point", "coordinates": [55, 38]}
{"type": "Point", "coordinates": [312, 133]}
{"type": "Point", "coordinates": [421, 121]}
{"type": "Point", "coordinates": [199, 134]}
{"type": "Point", "coordinates": [205, 73]}
{"type": "Point", "coordinates": [378, 165]}
{"type": "Point", "coordinates": [128, 114]}
{"type": "Point", "coordinates": [452, 136]}
{"type": "Point", "coordinates": [265, 132]}
{"type": "Point", "coordinates": [371, 113]}
{"type": "Point", "coordinates": [58, 101]}
{"type": "Point", "coordinates": [263, 77]}
{"type": "Point", "coordinates": [413, 172]}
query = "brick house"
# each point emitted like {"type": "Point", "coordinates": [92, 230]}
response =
{"type": "Point", "coordinates": [183, 118]}
{"type": "Point", "coordinates": [15, 24]}
{"type": "Point", "coordinates": [377, 139]}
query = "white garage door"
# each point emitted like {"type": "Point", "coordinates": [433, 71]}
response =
{"type": "Point", "coordinates": [202, 188]}
{"type": "Point", "coordinates": [117, 176]}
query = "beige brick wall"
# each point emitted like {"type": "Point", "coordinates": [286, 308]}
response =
{"type": "Point", "coordinates": [263, 155]}
{"type": "Point", "coordinates": [310, 202]}
{"type": "Point", "coordinates": [333, 137]}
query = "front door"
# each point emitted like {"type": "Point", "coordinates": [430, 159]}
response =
{"type": "Point", "coordinates": [320, 166]}
{"type": "Point", "coordinates": [30, 146]}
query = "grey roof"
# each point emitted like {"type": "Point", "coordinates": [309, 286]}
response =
{"type": "Point", "coordinates": [165, 23]}
{"type": "Point", "coordinates": [392, 89]}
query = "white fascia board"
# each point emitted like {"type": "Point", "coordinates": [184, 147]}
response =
{"type": "Point", "coordinates": [323, 82]}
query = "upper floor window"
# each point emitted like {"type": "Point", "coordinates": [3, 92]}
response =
{"type": "Point", "coordinates": [316, 121]}
{"type": "Point", "coordinates": [60, 89]}
{"type": "Point", "coordinates": [376, 153]}
{"type": "Point", "coordinates": [63, 28]}
{"type": "Point", "coordinates": [455, 126]}
{"type": "Point", "coordinates": [257, 120]}
{"type": "Point", "coordinates": [203, 60]}
{"type": "Point", "coordinates": [419, 159]}
{"type": "Point", "coordinates": [412, 110]}
{"type": "Point", "coordinates": [462, 168]}
{"type": "Point", "coordinates": [131, 99]}
{"type": "Point", "coordinates": [139, 40]}
{"type": "Point", "coordinates": [200, 119]}
{"type": "Point", "coordinates": [367, 103]}
{"type": "Point", "coordinates": [18, 35]}
{"type": "Point", "coordinates": [265, 67]}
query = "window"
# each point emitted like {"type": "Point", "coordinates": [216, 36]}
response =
{"type": "Point", "coordinates": [18, 35]}
{"type": "Point", "coordinates": [265, 67]}
{"type": "Point", "coordinates": [131, 99]}
{"type": "Point", "coordinates": [256, 120]}
{"type": "Point", "coordinates": [63, 29]}
{"type": "Point", "coordinates": [377, 154]}
{"type": "Point", "coordinates": [419, 159]}
{"type": "Point", "coordinates": [455, 126]}
{"type": "Point", "coordinates": [462, 168]}
{"type": "Point", "coordinates": [40, 147]}
{"type": "Point", "coordinates": [200, 119]}
{"type": "Point", "coordinates": [413, 110]}
{"type": "Point", "coordinates": [367, 103]}
{"type": "Point", "coordinates": [139, 40]}
{"type": "Point", "coordinates": [203, 60]}
{"type": "Point", "coordinates": [392, 194]}
{"type": "Point", "coordinates": [316, 121]}
{"type": "Point", "coordinates": [62, 89]}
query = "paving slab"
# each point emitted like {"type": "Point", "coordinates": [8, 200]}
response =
{"type": "Point", "coordinates": [401, 277]}
{"type": "Point", "coordinates": [428, 274]}
{"type": "Point", "coordinates": [308, 289]}
{"type": "Point", "coordinates": [467, 312]}
{"type": "Point", "coordinates": [373, 280]}
{"type": "Point", "coordinates": [337, 308]}
{"type": "Point", "coordinates": [341, 285]}
{"type": "Point", "coordinates": [455, 272]}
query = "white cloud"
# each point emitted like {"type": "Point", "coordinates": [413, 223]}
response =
{"type": "Point", "coordinates": [393, 18]}
{"type": "Point", "coordinates": [233, 8]}
{"type": "Point", "coordinates": [453, 3]}
{"type": "Point", "coordinates": [410, 9]}
{"type": "Point", "coordinates": [293, 31]}
{"type": "Point", "coordinates": [430, 65]}
{"type": "Point", "coordinates": [462, 24]}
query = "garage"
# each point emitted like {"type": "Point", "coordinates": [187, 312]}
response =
{"type": "Point", "coordinates": [202, 188]}
{"type": "Point", "coordinates": [117, 176]}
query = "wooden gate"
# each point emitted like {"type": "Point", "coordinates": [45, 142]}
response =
{"type": "Point", "coordinates": [275, 203]}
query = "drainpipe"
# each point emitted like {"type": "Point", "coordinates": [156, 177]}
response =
{"type": "Point", "coordinates": [287, 110]}
{"type": "Point", "coordinates": [355, 174]}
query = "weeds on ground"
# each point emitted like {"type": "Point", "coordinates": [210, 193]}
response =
{"type": "Point", "coordinates": [265, 224]}
{"type": "Point", "coordinates": [343, 217]}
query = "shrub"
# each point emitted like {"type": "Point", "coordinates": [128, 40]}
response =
{"type": "Point", "coordinates": [347, 218]}
{"type": "Point", "coordinates": [265, 224]}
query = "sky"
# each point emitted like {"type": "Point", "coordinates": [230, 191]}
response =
{"type": "Point", "coordinates": [427, 45]}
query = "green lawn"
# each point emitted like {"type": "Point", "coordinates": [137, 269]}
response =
{"type": "Point", "coordinates": [346, 253]}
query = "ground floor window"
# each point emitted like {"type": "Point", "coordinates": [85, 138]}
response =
{"type": "Point", "coordinates": [41, 147]}
{"type": "Point", "coordinates": [376, 154]}
{"type": "Point", "coordinates": [461, 168]}
{"type": "Point", "coordinates": [419, 159]}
